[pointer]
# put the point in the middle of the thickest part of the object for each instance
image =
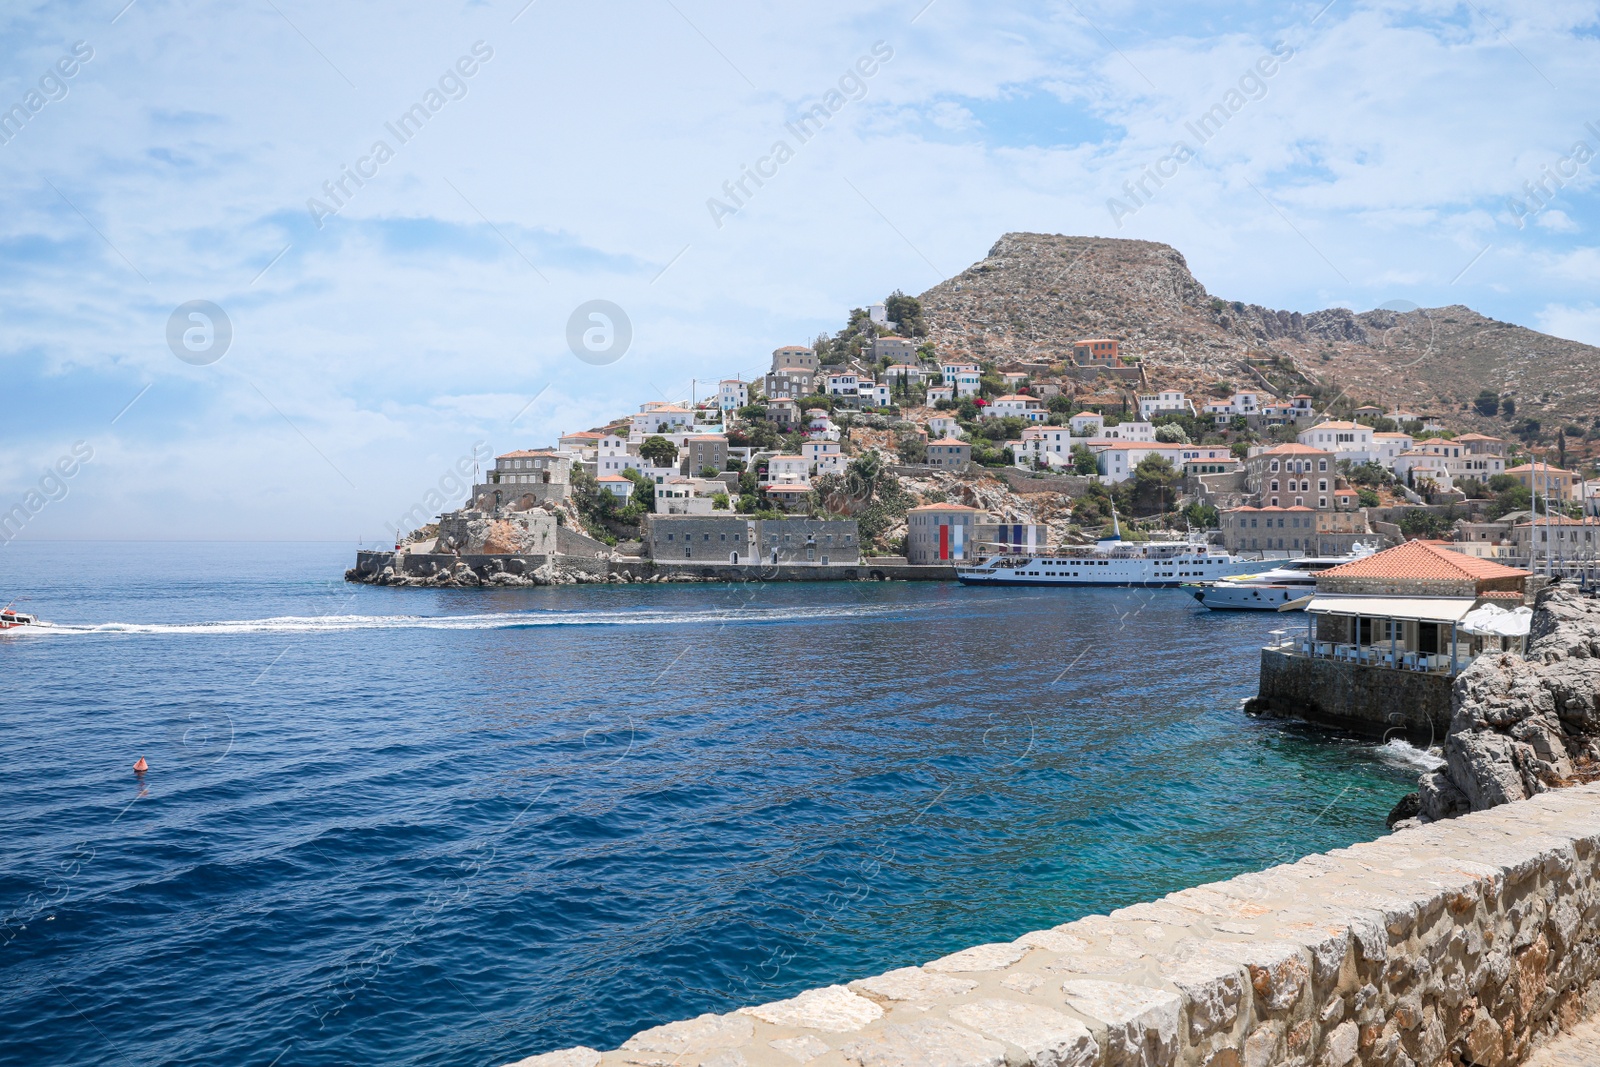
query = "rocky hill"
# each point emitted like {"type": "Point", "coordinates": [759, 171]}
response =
{"type": "Point", "coordinates": [1034, 294]}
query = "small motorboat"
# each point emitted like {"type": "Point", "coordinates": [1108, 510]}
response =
{"type": "Point", "coordinates": [10, 618]}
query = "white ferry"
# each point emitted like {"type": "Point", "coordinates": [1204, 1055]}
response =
{"type": "Point", "coordinates": [1272, 590]}
{"type": "Point", "coordinates": [1109, 561]}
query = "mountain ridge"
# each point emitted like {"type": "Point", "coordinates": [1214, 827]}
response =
{"type": "Point", "coordinates": [1034, 294]}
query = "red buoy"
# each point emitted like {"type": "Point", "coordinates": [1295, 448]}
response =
{"type": "Point", "coordinates": [140, 766]}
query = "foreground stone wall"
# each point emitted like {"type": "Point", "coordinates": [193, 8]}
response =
{"type": "Point", "coordinates": [1355, 696]}
{"type": "Point", "coordinates": [1470, 941]}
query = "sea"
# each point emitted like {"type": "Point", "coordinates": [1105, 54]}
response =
{"type": "Point", "coordinates": [463, 827]}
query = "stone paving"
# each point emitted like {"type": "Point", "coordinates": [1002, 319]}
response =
{"type": "Point", "coordinates": [1465, 942]}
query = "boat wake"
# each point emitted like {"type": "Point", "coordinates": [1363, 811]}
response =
{"type": "Point", "coordinates": [1398, 750]}
{"type": "Point", "coordinates": [298, 624]}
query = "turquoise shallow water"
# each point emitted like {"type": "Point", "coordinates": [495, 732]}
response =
{"type": "Point", "coordinates": [458, 828]}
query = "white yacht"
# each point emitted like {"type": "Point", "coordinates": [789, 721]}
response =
{"type": "Point", "coordinates": [1270, 590]}
{"type": "Point", "coordinates": [1109, 561]}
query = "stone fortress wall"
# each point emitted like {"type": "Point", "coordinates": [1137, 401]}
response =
{"type": "Point", "coordinates": [1468, 941]}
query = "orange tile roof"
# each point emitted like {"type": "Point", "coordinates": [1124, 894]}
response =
{"type": "Point", "coordinates": [1421, 560]}
{"type": "Point", "coordinates": [1479, 437]}
{"type": "Point", "coordinates": [1541, 468]}
{"type": "Point", "coordinates": [524, 453]}
{"type": "Point", "coordinates": [943, 507]}
{"type": "Point", "coordinates": [948, 441]}
{"type": "Point", "coordinates": [1293, 449]}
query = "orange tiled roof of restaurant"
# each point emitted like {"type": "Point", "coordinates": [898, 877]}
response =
{"type": "Point", "coordinates": [1421, 560]}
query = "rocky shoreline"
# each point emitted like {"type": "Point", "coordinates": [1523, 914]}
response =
{"type": "Point", "coordinates": [460, 575]}
{"type": "Point", "coordinates": [1521, 725]}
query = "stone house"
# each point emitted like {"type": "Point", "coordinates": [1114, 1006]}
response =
{"type": "Point", "coordinates": [1290, 530]}
{"type": "Point", "coordinates": [943, 533]}
{"type": "Point", "coordinates": [702, 451]}
{"type": "Point", "coordinates": [526, 477]}
{"type": "Point", "coordinates": [795, 357]}
{"type": "Point", "coordinates": [895, 349]}
{"type": "Point", "coordinates": [728, 538]}
{"type": "Point", "coordinates": [1291, 475]}
{"type": "Point", "coordinates": [950, 453]}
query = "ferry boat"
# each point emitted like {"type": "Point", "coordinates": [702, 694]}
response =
{"type": "Point", "coordinates": [1109, 561]}
{"type": "Point", "coordinates": [1273, 590]}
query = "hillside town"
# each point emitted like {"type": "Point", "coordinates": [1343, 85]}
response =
{"type": "Point", "coordinates": [864, 444]}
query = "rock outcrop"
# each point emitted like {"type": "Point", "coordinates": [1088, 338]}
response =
{"type": "Point", "coordinates": [1034, 294]}
{"type": "Point", "coordinates": [1522, 725]}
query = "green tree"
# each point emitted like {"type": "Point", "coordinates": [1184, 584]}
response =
{"type": "Point", "coordinates": [1083, 460]}
{"type": "Point", "coordinates": [1172, 434]}
{"type": "Point", "coordinates": [906, 313]}
{"type": "Point", "coordinates": [1203, 516]}
{"type": "Point", "coordinates": [1508, 407]}
{"type": "Point", "coordinates": [912, 449]}
{"type": "Point", "coordinates": [1488, 403]}
{"type": "Point", "coordinates": [1368, 498]}
{"type": "Point", "coordinates": [659, 451]}
{"type": "Point", "coordinates": [1154, 486]}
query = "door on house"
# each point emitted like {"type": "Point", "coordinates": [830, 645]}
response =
{"type": "Point", "coordinates": [944, 542]}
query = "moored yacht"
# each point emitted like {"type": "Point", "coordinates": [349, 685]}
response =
{"type": "Point", "coordinates": [1109, 561]}
{"type": "Point", "coordinates": [1284, 583]}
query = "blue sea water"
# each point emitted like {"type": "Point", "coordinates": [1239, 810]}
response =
{"type": "Point", "coordinates": [460, 827]}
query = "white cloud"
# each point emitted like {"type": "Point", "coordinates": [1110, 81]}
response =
{"type": "Point", "coordinates": [409, 326]}
{"type": "Point", "coordinates": [1579, 323]}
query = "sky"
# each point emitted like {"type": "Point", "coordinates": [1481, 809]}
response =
{"type": "Point", "coordinates": [536, 157]}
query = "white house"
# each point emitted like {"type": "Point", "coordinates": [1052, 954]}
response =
{"type": "Point", "coordinates": [910, 373]}
{"type": "Point", "coordinates": [788, 470]}
{"type": "Point", "coordinates": [683, 496]}
{"type": "Point", "coordinates": [1389, 445]}
{"type": "Point", "coordinates": [1043, 445]}
{"type": "Point", "coordinates": [873, 394]}
{"type": "Point", "coordinates": [1224, 411]}
{"type": "Point", "coordinates": [963, 376]}
{"type": "Point", "coordinates": [943, 426]}
{"type": "Point", "coordinates": [618, 486]}
{"type": "Point", "coordinates": [659, 419]}
{"type": "Point", "coordinates": [815, 450]}
{"type": "Point", "coordinates": [937, 393]}
{"type": "Point", "coordinates": [1162, 403]}
{"type": "Point", "coordinates": [1087, 424]}
{"type": "Point", "coordinates": [1127, 431]}
{"type": "Point", "coordinates": [732, 394]}
{"type": "Point", "coordinates": [1118, 460]}
{"type": "Point", "coordinates": [842, 384]}
{"type": "Point", "coordinates": [1022, 407]}
{"type": "Point", "coordinates": [1418, 464]}
{"type": "Point", "coordinates": [1346, 440]}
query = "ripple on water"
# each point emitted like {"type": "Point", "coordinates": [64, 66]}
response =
{"type": "Point", "coordinates": [440, 827]}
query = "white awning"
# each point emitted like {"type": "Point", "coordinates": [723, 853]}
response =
{"type": "Point", "coordinates": [1494, 621]}
{"type": "Point", "coordinates": [1420, 609]}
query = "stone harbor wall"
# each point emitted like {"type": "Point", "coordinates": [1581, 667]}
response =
{"type": "Point", "coordinates": [1523, 725]}
{"type": "Point", "coordinates": [1466, 942]}
{"type": "Point", "coordinates": [1353, 696]}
